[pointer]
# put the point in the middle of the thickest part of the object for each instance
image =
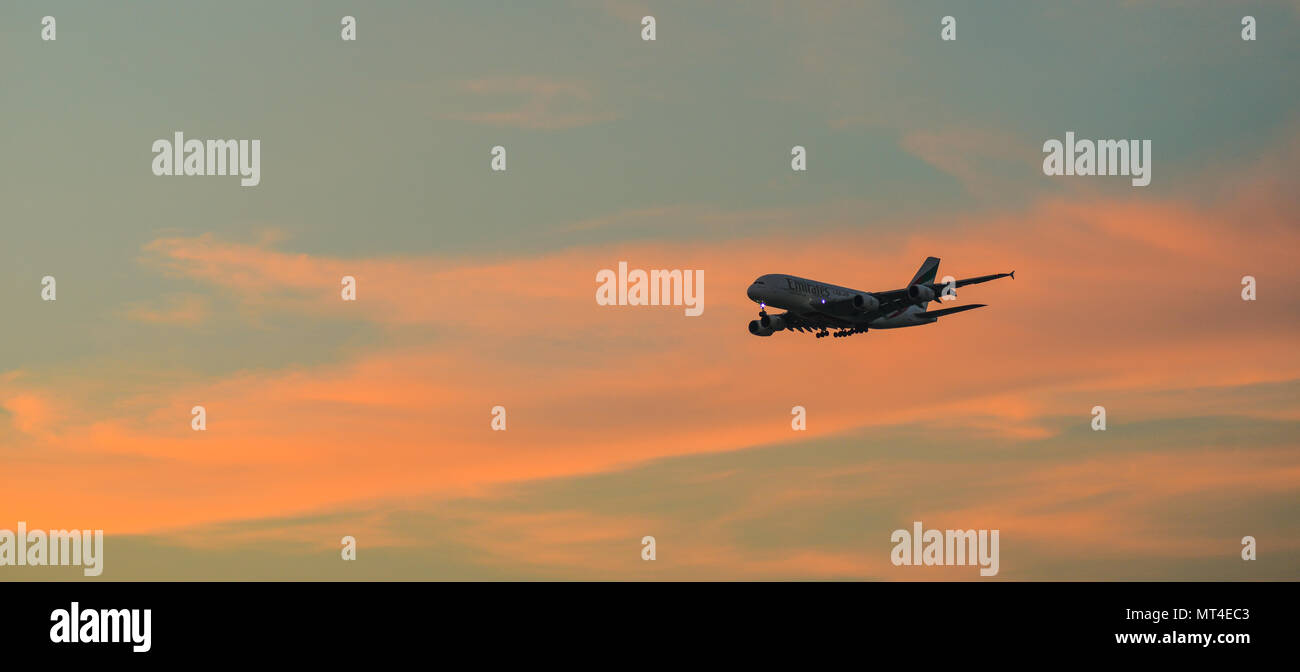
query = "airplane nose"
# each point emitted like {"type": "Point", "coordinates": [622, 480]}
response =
{"type": "Point", "coordinates": [753, 293]}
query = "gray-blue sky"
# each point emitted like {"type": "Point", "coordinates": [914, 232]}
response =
{"type": "Point", "coordinates": [376, 153]}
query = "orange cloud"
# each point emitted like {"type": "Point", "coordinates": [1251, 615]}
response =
{"type": "Point", "coordinates": [1117, 302]}
{"type": "Point", "coordinates": [30, 413]}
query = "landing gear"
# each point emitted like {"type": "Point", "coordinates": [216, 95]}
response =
{"type": "Point", "coordinates": [842, 333]}
{"type": "Point", "coordinates": [822, 333]}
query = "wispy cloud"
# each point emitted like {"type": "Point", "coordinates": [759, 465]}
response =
{"type": "Point", "coordinates": [175, 309]}
{"type": "Point", "coordinates": [987, 163]}
{"type": "Point", "coordinates": [537, 103]}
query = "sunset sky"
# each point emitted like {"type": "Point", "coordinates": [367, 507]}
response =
{"type": "Point", "coordinates": [476, 289]}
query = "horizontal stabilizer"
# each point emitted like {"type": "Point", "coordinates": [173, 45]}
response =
{"type": "Point", "coordinates": [950, 311]}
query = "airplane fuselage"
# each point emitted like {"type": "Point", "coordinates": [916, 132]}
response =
{"type": "Point", "coordinates": [800, 295]}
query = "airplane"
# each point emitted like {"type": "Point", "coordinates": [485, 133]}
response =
{"type": "Point", "coordinates": [820, 308]}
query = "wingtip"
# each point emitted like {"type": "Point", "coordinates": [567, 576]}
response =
{"type": "Point", "coordinates": [1013, 275]}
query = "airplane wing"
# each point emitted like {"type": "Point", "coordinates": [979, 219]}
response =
{"type": "Point", "coordinates": [813, 321]}
{"type": "Point", "coordinates": [978, 280]}
{"type": "Point", "coordinates": [895, 300]}
{"type": "Point", "coordinates": [892, 300]}
{"type": "Point", "coordinates": [950, 311]}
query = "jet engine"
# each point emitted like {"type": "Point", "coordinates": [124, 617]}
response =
{"type": "Point", "coordinates": [771, 322]}
{"type": "Point", "coordinates": [848, 306]}
{"type": "Point", "coordinates": [865, 303]}
{"type": "Point", "coordinates": [758, 330]}
{"type": "Point", "coordinates": [920, 293]}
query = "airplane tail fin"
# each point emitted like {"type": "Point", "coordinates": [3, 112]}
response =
{"type": "Point", "coordinates": [928, 272]}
